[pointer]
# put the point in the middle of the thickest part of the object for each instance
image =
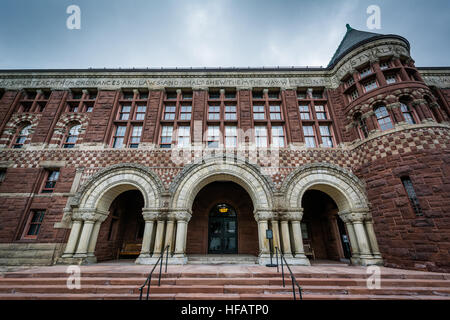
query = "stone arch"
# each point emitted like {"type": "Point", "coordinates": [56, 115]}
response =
{"type": "Point", "coordinates": [64, 122]}
{"type": "Point", "coordinates": [197, 175]}
{"type": "Point", "coordinates": [103, 187]}
{"type": "Point", "coordinates": [341, 185]}
{"type": "Point", "coordinates": [16, 122]}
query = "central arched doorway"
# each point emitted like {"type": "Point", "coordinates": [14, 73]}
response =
{"type": "Point", "coordinates": [222, 221]}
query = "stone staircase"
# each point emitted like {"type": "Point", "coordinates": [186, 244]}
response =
{"type": "Point", "coordinates": [222, 282]}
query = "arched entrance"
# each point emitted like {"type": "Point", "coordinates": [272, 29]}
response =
{"type": "Point", "coordinates": [323, 230]}
{"type": "Point", "coordinates": [349, 197]}
{"type": "Point", "coordinates": [222, 221]}
{"type": "Point", "coordinates": [126, 193]}
{"type": "Point", "coordinates": [121, 234]}
{"type": "Point", "coordinates": [236, 183]}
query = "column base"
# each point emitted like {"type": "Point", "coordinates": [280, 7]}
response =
{"type": "Point", "coordinates": [77, 260]}
{"type": "Point", "coordinates": [147, 259]}
{"type": "Point", "coordinates": [370, 261]}
{"type": "Point", "coordinates": [264, 259]}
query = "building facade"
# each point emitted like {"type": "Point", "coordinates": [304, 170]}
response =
{"type": "Point", "coordinates": [350, 162]}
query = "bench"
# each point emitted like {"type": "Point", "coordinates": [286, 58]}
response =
{"type": "Point", "coordinates": [309, 251]}
{"type": "Point", "coordinates": [130, 249]}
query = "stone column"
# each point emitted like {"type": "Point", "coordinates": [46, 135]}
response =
{"type": "Point", "coordinates": [372, 239]}
{"type": "Point", "coordinates": [159, 237]}
{"type": "Point", "coordinates": [169, 235]}
{"type": "Point", "coordinates": [263, 241]}
{"type": "Point", "coordinates": [276, 235]}
{"type": "Point", "coordinates": [299, 251]}
{"type": "Point", "coordinates": [286, 239]}
{"type": "Point", "coordinates": [93, 241]}
{"type": "Point", "coordinates": [84, 239]}
{"type": "Point", "coordinates": [182, 219]}
{"type": "Point", "coordinates": [361, 236]}
{"type": "Point", "coordinates": [353, 240]}
{"type": "Point", "coordinates": [147, 239]}
{"type": "Point", "coordinates": [73, 239]}
{"type": "Point", "coordinates": [262, 217]}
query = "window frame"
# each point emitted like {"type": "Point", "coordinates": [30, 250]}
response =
{"type": "Point", "coordinates": [29, 223]}
{"type": "Point", "coordinates": [66, 144]}
{"type": "Point", "coordinates": [388, 116]}
{"type": "Point", "coordinates": [46, 180]}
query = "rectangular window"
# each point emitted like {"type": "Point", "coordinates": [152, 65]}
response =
{"type": "Point", "coordinates": [257, 95]}
{"type": "Point", "coordinates": [50, 182]}
{"type": "Point", "coordinates": [166, 136]}
{"type": "Point", "coordinates": [258, 113]}
{"type": "Point", "coordinates": [34, 224]}
{"type": "Point", "coordinates": [277, 136]}
{"type": "Point", "coordinates": [171, 96]}
{"type": "Point", "coordinates": [128, 95]}
{"type": "Point", "coordinates": [350, 81]}
{"type": "Point", "coordinates": [368, 86]}
{"type": "Point", "coordinates": [274, 95]}
{"type": "Point", "coordinates": [304, 112]}
{"type": "Point", "coordinates": [384, 65]}
{"type": "Point", "coordinates": [275, 113]}
{"type": "Point", "coordinates": [320, 112]}
{"type": "Point", "coordinates": [119, 137]}
{"type": "Point", "coordinates": [407, 184]}
{"type": "Point", "coordinates": [125, 112]}
{"type": "Point", "coordinates": [169, 113]}
{"type": "Point", "coordinates": [187, 95]}
{"type": "Point", "coordinates": [71, 107]}
{"type": "Point", "coordinates": [214, 113]}
{"type": "Point", "coordinates": [301, 95]}
{"type": "Point", "coordinates": [230, 113]}
{"type": "Point", "coordinates": [213, 136]}
{"type": "Point", "coordinates": [89, 108]}
{"type": "Point", "coordinates": [354, 95]}
{"type": "Point", "coordinates": [185, 112]}
{"type": "Point", "coordinates": [327, 138]}
{"type": "Point", "coordinates": [143, 95]}
{"type": "Point", "coordinates": [184, 136]}
{"type": "Point", "coordinates": [365, 72]}
{"type": "Point", "coordinates": [135, 136]}
{"type": "Point", "coordinates": [261, 136]}
{"type": "Point", "coordinates": [140, 112]}
{"type": "Point", "coordinates": [214, 95]}
{"type": "Point", "coordinates": [317, 95]}
{"type": "Point", "coordinates": [230, 137]}
{"type": "Point", "coordinates": [391, 79]}
{"type": "Point", "coordinates": [76, 95]}
{"type": "Point", "coordinates": [230, 95]}
{"type": "Point", "coordinates": [2, 175]}
{"type": "Point", "coordinates": [310, 140]}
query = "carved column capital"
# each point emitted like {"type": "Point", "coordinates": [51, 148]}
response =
{"type": "Point", "coordinates": [180, 216]}
{"type": "Point", "coordinates": [89, 214]}
{"type": "Point", "coordinates": [264, 215]}
{"type": "Point", "coordinates": [295, 215]}
{"type": "Point", "coordinates": [151, 214]}
{"type": "Point", "coordinates": [355, 215]}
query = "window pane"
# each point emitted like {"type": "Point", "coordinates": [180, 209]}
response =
{"type": "Point", "coordinates": [118, 143]}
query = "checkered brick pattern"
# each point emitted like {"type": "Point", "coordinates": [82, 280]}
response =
{"type": "Point", "coordinates": [275, 165]}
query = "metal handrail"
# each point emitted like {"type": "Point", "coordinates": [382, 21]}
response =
{"type": "Point", "coordinates": [293, 279]}
{"type": "Point", "coordinates": [149, 278]}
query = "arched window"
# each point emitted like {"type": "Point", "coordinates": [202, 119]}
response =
{"type": "Point", "coordinates": [21, 137]}
{"type": "Point", "coordinates": [407, 113]}
{"type": "Point", "coordinates": [384, 119]}
{"type": "Point", "coordinates": [72, 136]}
{"type": "Point", "coordinates": [362, 126]}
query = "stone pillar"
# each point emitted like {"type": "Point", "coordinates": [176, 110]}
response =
{"type": "Point", "coordinates": [262, 217]}
{"type": "Point", "coordinates": [169, 235]}
{"type": "Point", "coordinates": [372, 239]}
{"type": "Point", "coordinates": [299, 251]}
{"type": "Point", "coordinates": [84, 239]}
{"type": "Point", "coordinates": [159, 237]}
{"type": "Point", "coordinates": [276, 235]}
{"type": "Point", "coordinates": [182, 219]}
{"type": "Point", "coordinates": [93, 241]}
{"type": "Point", "coordinates": [363, 243]}
{"type": "Point", "coordinates": [286, 239]}
{"type": "Point", "coordinates": [73, 239]}
{"type": "Point", "coordinates": [353, 242]}
{"type": "Point", "coordinates": [147, 239]}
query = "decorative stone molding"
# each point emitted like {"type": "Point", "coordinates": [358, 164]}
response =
{"type": "Point", "coordinates": [264, 215]}
{"type": "Point", "coordinates": [296, 215]}
{"type": "Point", "coordinates": [195, 176]}
{"type": "Point", "coordinates": [89, 214]}
{"type": "Point", "coordinates": [355, 216]}
{"type": "Point", "coordinates": [151, 214]}
{"type": "Point", "coordinates": [343, 186]}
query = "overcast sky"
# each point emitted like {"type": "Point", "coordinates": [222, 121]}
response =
{"type": "Point", "coordinates": [209, 33]}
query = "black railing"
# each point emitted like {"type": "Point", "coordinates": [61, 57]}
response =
{"type": "Point", "coordinates": [149, 278]}
{"type": "Point", "coordinates": [293, 279]}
